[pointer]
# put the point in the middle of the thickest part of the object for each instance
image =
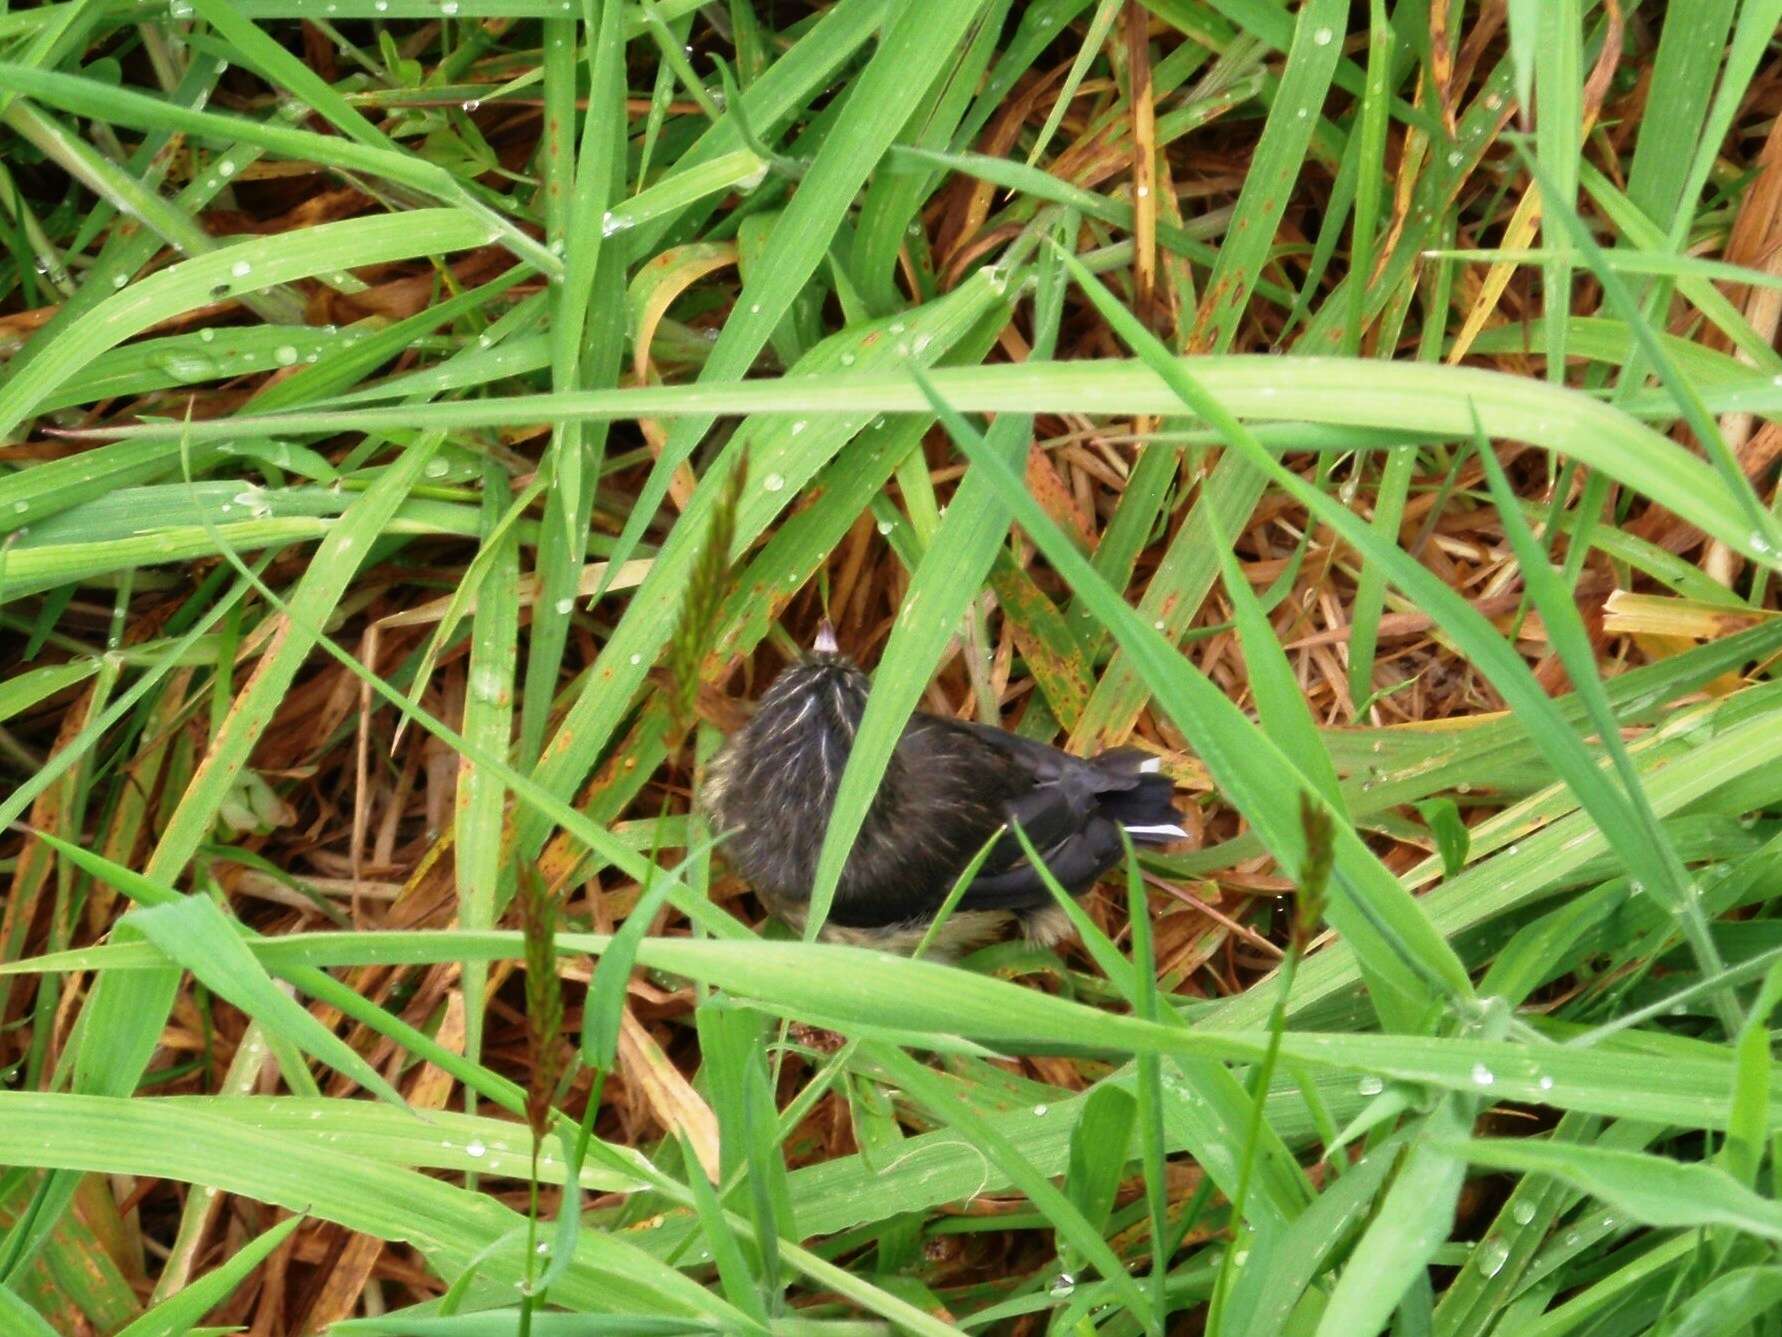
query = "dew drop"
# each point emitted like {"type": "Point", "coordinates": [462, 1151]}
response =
{"type": "Point", "coordinates": [1482, 1075]}
{"type": "Point", "coordinates": [207, 335]}
{"type": "Point", "coordinates": [1522, 1213]}
{"type": "Point", "coordinates": [1064, 1285]}
{"type": "Point", "coordinates": [1491, 1255]}
{"type": "Point", "coordinates": [284, 355]}
{"type": "Point", "coordinates": [847, 359]}
{"type": "Point", "coordinates": [241, 269]}
{"type": "Point", "coordinates": [226, 168]}
{"type": "Point", "coordinates": [448, 7]}
{"type": "Point", "coordinates": [885, 526]}
{"type": "Point", "coordinates": [1039, 1111]}
{"type": "Point", "coordinates": [636, 660]}
{"type": "Point", "coordinates": [437, 468]}
{"type": "Point", "coordinates": [187, 366]}
{"type": "Point", "coordinates": [799, 426]}
{"type": "Point", "coordinates": [564, 607]}
{"type": "Point", "coordinates": [773, 483]}
{"type": "Point", "coordinates": [474, 104]}
{"type": "Point", "coordinates": [1369, 1085]}
{"type": "Point", "coordinates": [474, 1148]}
{"type": "Point", "coordinates": [1323, 36]}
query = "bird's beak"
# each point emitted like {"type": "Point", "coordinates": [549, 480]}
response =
{"type": "Point", "coordinates": [826, 638]}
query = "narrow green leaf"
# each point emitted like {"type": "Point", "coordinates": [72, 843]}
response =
{"type": "Point", "coordinates": [1279, 701]}
{"type": "Point", "coordinates": [927, 1087]}
{"type": "Point", "coordinates": [1413, 1220]}
{"type": "Point", "coordinates": [1654, 1189]}
{"type": "Point", "coordinates": [196, 934]}
{"type": "Point", "coordinates": [180, 1313]}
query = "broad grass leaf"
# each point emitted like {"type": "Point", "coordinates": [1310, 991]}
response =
{"type": "Point", "coordinates": [1654, 1189]}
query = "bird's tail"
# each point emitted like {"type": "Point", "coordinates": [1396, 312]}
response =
{"type": "Point", "coordinates": [1137, 796]}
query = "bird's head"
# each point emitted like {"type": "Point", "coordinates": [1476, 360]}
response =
{"type": "Point", "coordinates": [814, 706]}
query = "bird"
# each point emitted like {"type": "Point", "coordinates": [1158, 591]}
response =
{"type": "Point", "coordinates": [949, 786]}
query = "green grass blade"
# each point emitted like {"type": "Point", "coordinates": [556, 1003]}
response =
{"type": "Point", "coordinates": [180, 1313]}
{"type": "Point", "coordinates": [1653, 1189]}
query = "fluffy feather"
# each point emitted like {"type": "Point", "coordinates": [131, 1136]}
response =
{"type": "Point", "coordinates": [949, 785]}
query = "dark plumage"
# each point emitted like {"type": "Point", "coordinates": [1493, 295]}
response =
{"type": "Point", "coordinates": [948, 787]}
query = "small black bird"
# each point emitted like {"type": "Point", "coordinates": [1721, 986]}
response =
{"type": "Point", "coordinates": [949, 786]}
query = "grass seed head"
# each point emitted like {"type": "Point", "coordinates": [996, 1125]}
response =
{"type": "Point", "coordinates": [1314, 877]}
{"type": "Point", "coordinates": [544, 998]}
{"type": "Point", "coordinates": [697, 627]}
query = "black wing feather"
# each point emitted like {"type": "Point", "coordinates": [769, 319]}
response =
{"type": "Point", "coordinates": [1075, 862]}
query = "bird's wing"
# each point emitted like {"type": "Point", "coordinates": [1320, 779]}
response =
{"type": "Point", "coordinates": [1074, 861]}
{"type": "Point", "coordinates": [1048, 814]}
{"type": "Point", "coordinates": [1060, 797]}
{"type": "Point", "coordinates": [1116, 769]}
{"type": "Point", "coordinates": [1040, 760]}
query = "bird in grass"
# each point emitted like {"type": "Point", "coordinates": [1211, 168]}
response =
{"type": "Point", "coordinates": [949, 787]}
